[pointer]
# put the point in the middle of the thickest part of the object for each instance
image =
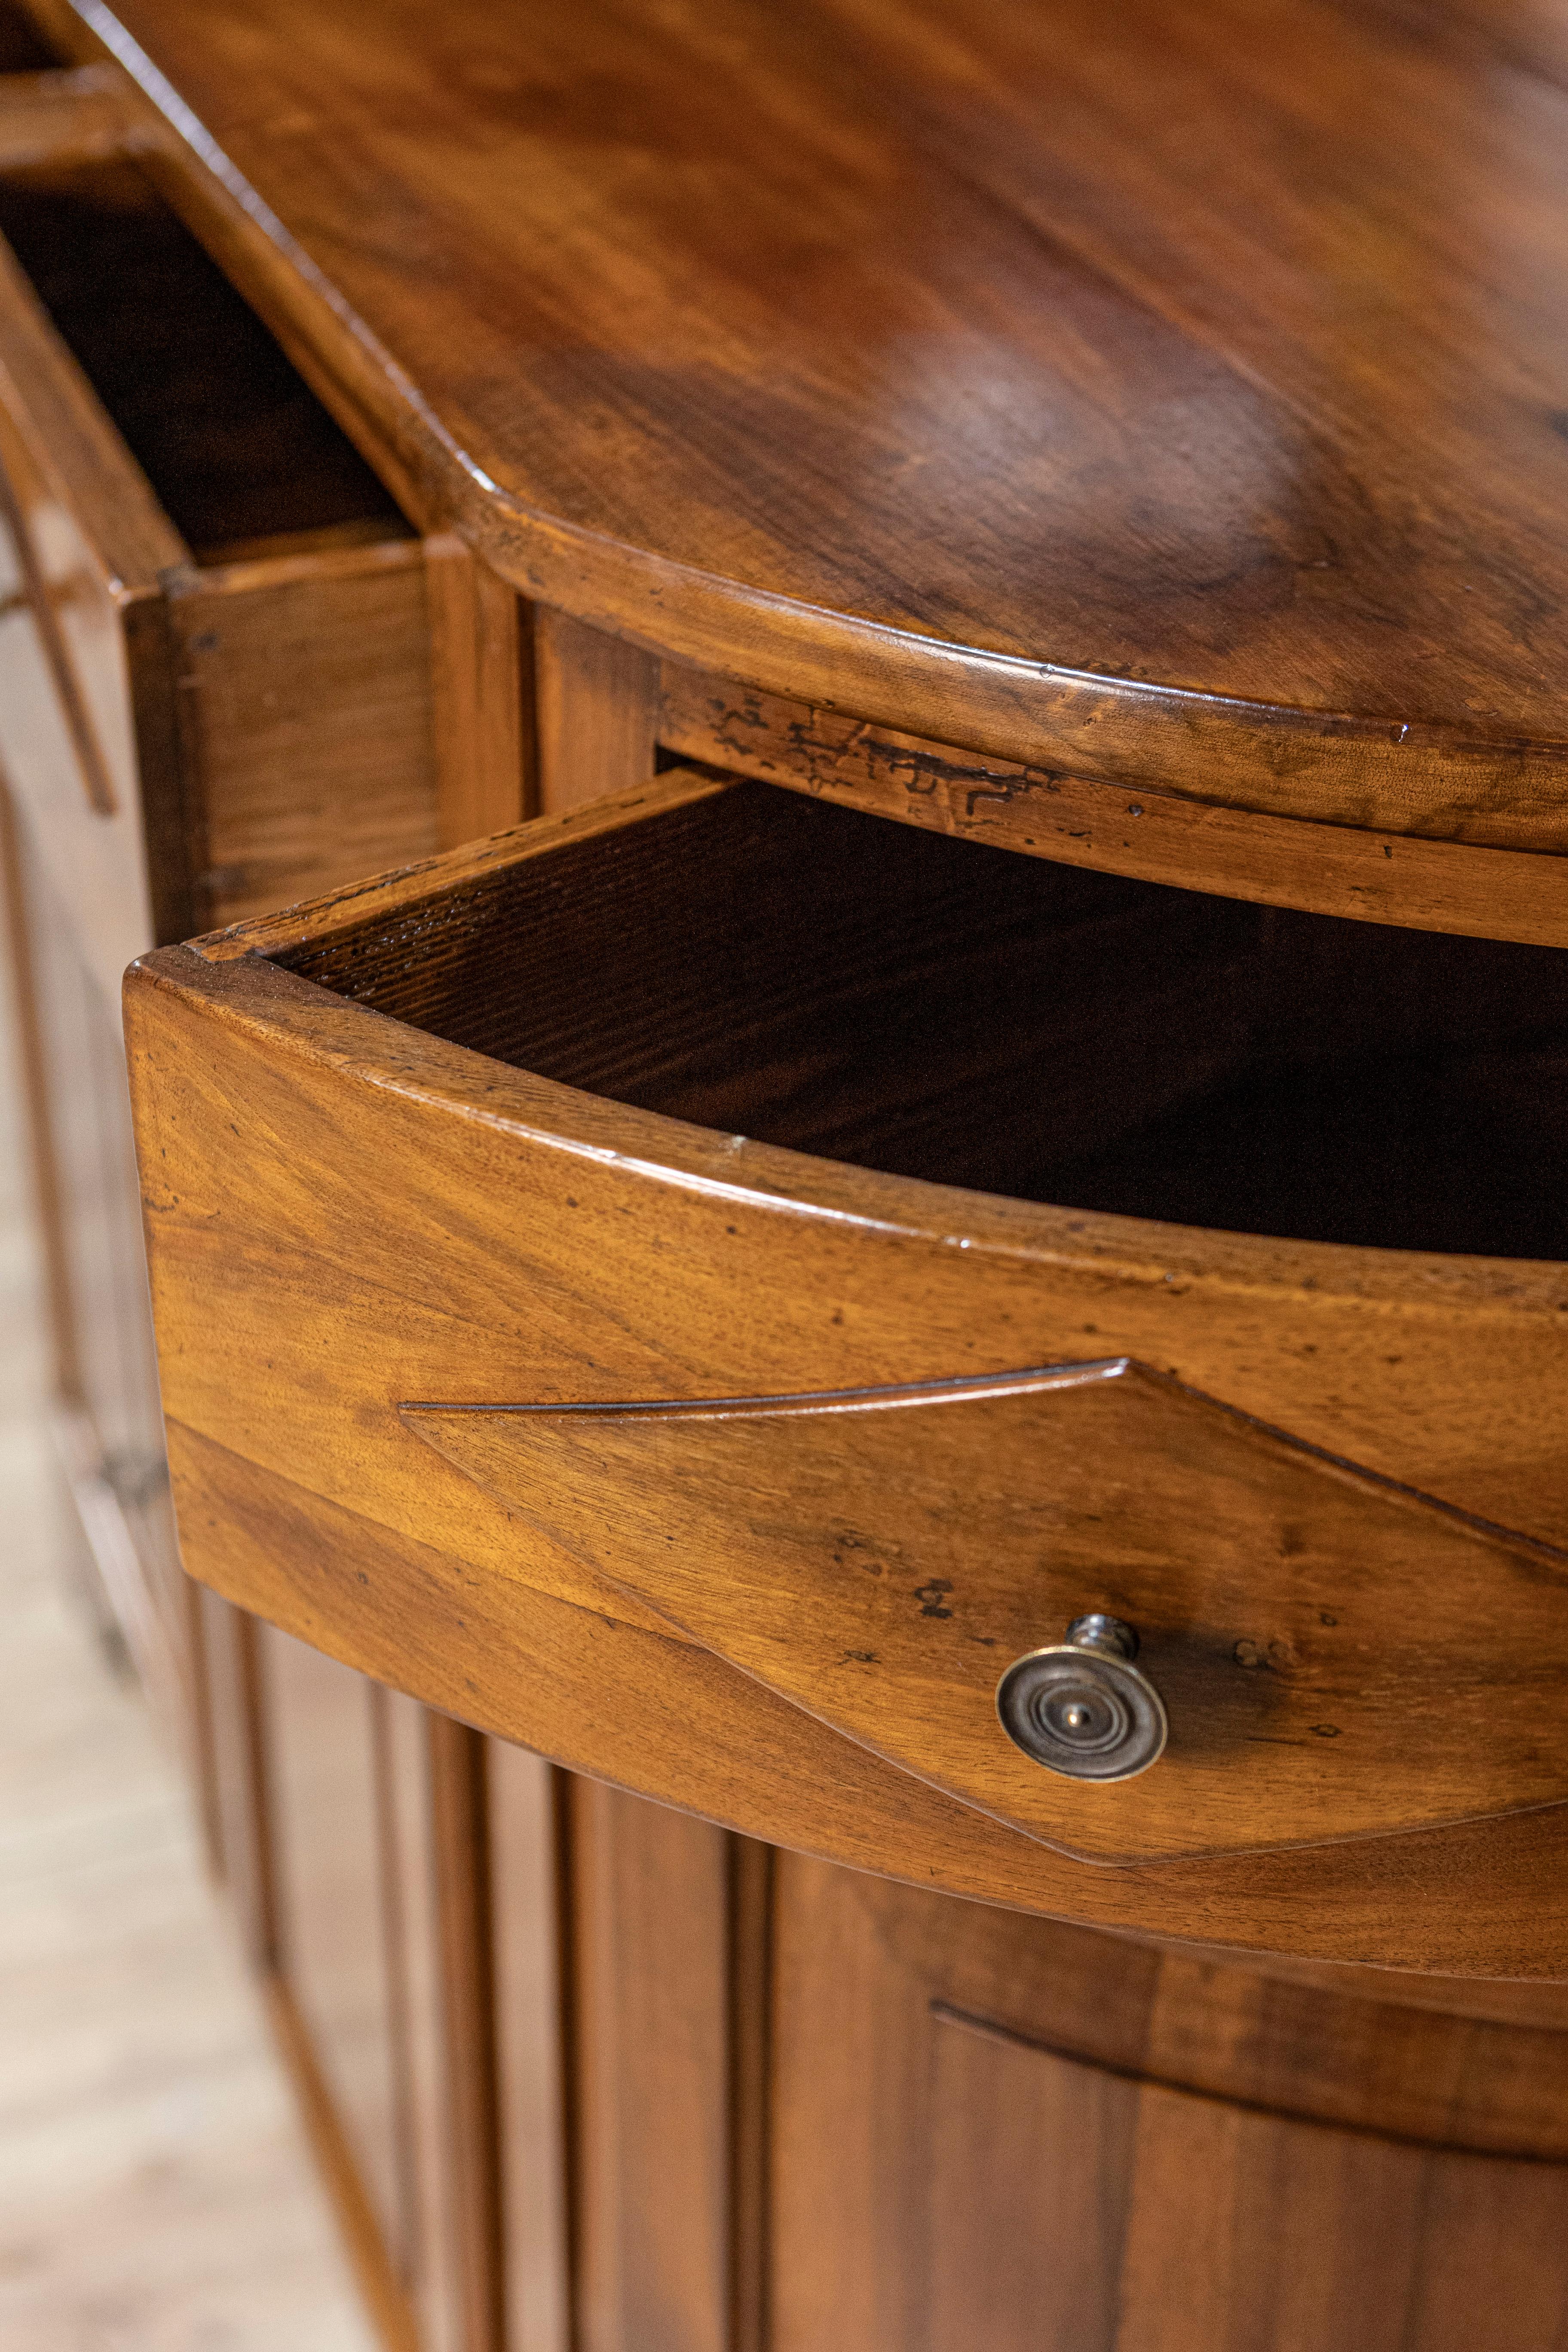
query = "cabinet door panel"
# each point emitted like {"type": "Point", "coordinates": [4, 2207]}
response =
{"type": "Point", "coordinates": [944, 2180]}
{"type": "Point", "coordinates": [1026, 2195]}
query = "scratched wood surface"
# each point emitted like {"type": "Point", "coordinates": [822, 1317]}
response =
{"type": "Point", "coordinates": [1049, 810]}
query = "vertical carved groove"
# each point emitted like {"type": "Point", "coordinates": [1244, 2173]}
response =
{"type": "Point", "coordinates": [569, 2026]}
{"type": "Point", "coordinates": [751, 1868]}
{"type": "Point", "coordinates": [458, 1812]}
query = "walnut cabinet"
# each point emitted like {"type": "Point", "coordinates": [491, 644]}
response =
{"type": "Point", "coordinates": [835, 957]}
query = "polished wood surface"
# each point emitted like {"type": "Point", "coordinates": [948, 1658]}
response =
{"type": "Point", "coordinates": [652, 2065]}
{"type": "Point", "coordinates": [534, 2005]}
{"type": "Point", "coordinates": [479, 658]}
{"type": "Point", "coordinates": [997, 373]}
{"type": "Point", "coordinates": [1017, 2166]}
{"type": "Point", "coordinates": [985, 419]}
{"type": "Point", "coordinates": [611, 942]}
{"type": "Point", "coordinates": [306, 684]}
{"type": "Point", "coordinates": [879, 1556]}
{"type": "Point", "coordinates": [597, 701]}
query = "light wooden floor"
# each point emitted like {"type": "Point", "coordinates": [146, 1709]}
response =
{"type": "Point", "coordinates": [156, 2193]}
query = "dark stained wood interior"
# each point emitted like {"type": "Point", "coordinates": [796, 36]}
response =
{"type": "Point", "coordinates": [22, 48]}
{"type": "Point", "coordinates": [813, 977]}
{"type": "Point", "coordinates": [235, 443]}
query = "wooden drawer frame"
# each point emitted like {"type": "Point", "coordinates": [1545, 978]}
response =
{"type": "Point", "coordinates": [193, 741]}
{"type": "Point", "coordinates": [289, 1343]}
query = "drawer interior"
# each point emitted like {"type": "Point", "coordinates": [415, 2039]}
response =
{"type": "Point", "coordinates": [244, 458]}
{"type": "Point", "coordinates": [760, 962]}
{"type": "Point", "coordinates": [23, 48]}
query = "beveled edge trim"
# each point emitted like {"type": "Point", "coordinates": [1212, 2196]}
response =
{"type": "Point", "coordinates": [810, 1402]}
{"type": "Point", "coordinates": [975, 1388]}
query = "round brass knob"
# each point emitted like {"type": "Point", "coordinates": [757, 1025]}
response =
{"type": "Point", "coordinates": [1082, 1708]}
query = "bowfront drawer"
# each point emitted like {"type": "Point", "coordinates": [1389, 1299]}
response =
{"type": "Point", "coordinates": [215, 687]}
{"type": "Point", "coordinates": [715, 1287]}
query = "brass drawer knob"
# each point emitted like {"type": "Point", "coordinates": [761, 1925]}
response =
{"type": "Point", "coordinates": [1082, 1708]}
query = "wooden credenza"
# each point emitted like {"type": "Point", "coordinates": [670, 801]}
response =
{"type": "Point", "coordinates": [856, 722]}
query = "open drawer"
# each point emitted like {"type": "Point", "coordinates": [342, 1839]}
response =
{"type": "Point", "coordinates": [570, 1311]}
{"type": "Point", "coordinates": [213, 632]}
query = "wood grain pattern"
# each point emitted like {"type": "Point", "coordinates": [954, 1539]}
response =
{"type": "Point", "coordinates": [1053, 2140]}
{"type": "Point", "coordinates": [459, 1849]}
{"type": "Point", "coordinates": [1423, 2060]}
{"type": "Point", "coordinates": [1229, 2223]}
{"type": "Point", "coordinates": [263, 723]}
{"type": "Point", "coordinates": [752, 1946]}
{"type": "Point", "coordinates": [308, 719]}
{"type": "Point", "coordinates": [529, 1862]}
{"type": "Point", "coordinates": [984, 301]}
{"type": "Point", "coordinates": [596, 699]}
{"type": "Point", "coordinates": [879, 1556]}
{"type": "Point", "coordinates": [482, 680]}
{"type": "Point", "coordinates": [1441, 885]}
{"type": "Point", "coordinates": [411, 1161]}
{"type": "Point", "coordinates": [652, 2064]}
{"type": "Point", "coordinates": [430, 2275]}
{"type": "Point", "coordinates": [299, 655]}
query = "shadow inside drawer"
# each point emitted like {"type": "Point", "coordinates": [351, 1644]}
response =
{"type": "Point", "coordinates": [765, 964]}
{"type": "Point", "coordinates": [234, 441]}
{"type": "Point", "coordinates": [23, 48]}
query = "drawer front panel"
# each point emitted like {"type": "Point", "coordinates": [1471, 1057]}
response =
{"type": "Point", "coordinates": [348, 1218]}
{"type": "Point", "coordinates": [1338, 1656]}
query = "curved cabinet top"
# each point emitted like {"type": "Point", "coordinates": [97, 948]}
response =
{"type": "Point", "coordinates": [1163, 395]}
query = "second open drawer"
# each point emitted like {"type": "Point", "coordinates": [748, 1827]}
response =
{"type": "Point", "coordinates": [618, 1284]}
{"type": "Point", "coordinates": [213, 619]}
